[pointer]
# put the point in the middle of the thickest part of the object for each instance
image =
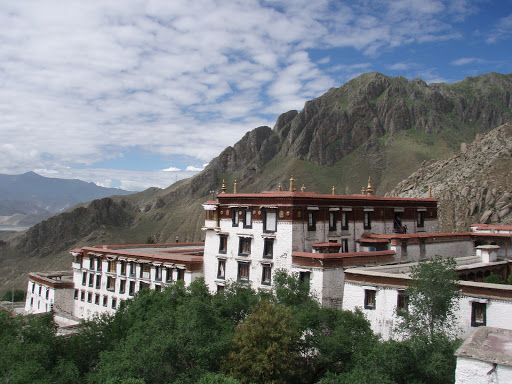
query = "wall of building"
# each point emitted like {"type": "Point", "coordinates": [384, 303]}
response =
{"type": "Point", "coordinates": [472, 371]}
{"type": "Point", "coordinates": [442, 247]}
{"type": "Point", "coordinates": [40, 298]}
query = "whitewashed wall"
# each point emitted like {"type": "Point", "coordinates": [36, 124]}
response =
{"type": "Point", "coordinates": [38, 303]}
{"type": "Point", "coordinates": [472, 371]}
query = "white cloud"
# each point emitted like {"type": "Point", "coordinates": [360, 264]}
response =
{"type": "Point", "coordinates": [400, 66]}
{"type": "Point", "coordinates": [171, 169]}
{"type": "Point", "coordinates": [502, 30]}
{"type": "Point", "coordinates": [466, 61]}
{"type": "Point", "coordinates": [82, 81]}
{"type": "Point", "coordinates": [193, 169]}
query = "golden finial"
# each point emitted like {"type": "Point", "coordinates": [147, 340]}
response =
{"type": "Point", "coordinates": [234, 185]}
{"type": "Point", "coordinates": [279, 187]}
{"type": "Point", "coordinates": [363, 190]}
{"type": "Point", "coordinates": [333, 190]}
{"type": "Point", "coordinates": [430, 191]}
{"type": "Point", "coordinates": [369, 189]}
{"type": "Point", "coordinates": [303, 188]}
{"type": "Point", "coordinates": [223, 188]}
{"type": "Point", "coordinates": [292, 184]}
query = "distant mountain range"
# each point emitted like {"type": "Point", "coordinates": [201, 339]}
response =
{"type": "Point", "coordinates": [374, 125]}
{"type": "Point", "coordinates": [28, 198]}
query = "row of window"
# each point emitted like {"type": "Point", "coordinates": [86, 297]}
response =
{"type": "Point", "coordinates": [46, 293]}
{"type": "Point", "coordinates": [94, 280]}
{"type": "Point", "coordinates": [478, 310]}
{"type": "Point", "coordinates": [91, 297]}
{"type": "Point", "coordinates": [244, 246]}
{"type": "Point", "coordinates": [243, 274]}
{"type": "Point", "coordinates": [269, 218]}
{"type": "Point", "coordinates": [47, 308]}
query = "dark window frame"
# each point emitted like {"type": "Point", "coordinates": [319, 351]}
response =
{"type": "Point", "coordinates": [223, 244]}
{"type": "Point", "coordinates": [344, 221]}
{"type": "Point", "coordinates": [243, 266]}
{"type": "Point", "coordinates": [367, 220]}
{"type": "Point", "coordinates": [402, 301]}
{"type": "Point", "coordinates": [420, 219]}
{"type": "Point", "coordinates": [266, 274]}
{"type": "Point", "coordinates": [244, 213]}
{"type": "Point", "coordinates": [370, 299]}
{"type": "Point", "coordinates": [241, 242]}
{"type": "Point", "coordinates": [311, 217]}
{"type": "Point", "coordinates": [475, 306]}
{"type": "Point", "coordinates": [333, 224]}
{"type": "Point", "coordinates": [268, 243]}
{"type": "Point", "coordinates": [266, 229]}
{"type": "Point", "coordinates": [221, 262]}
{"type": "Point", "coordinates": [235, 219]}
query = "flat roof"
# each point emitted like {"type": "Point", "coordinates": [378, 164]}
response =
{"type": "Point", "coordinates": [489, 344]}
{"type": "Point", "coordinates": [53, 279]}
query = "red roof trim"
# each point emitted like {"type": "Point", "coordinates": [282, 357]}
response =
{"type": "Point", "coordinates": [341, 256]}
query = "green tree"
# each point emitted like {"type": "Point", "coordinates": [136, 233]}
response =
{"type": "Point", "coordinates": [433, 301]}
{"type": "Point", "coordinates": [265, 346]}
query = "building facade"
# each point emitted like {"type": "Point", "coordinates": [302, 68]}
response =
{"type": "Point", "coordinates": [49, 291]}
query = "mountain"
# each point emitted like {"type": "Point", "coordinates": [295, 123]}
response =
{"type": "Point", "coordinates": [29, 198]}
{"type": "Point", "coordinates": [374, 125]}
{"type": "Point", "coordinates": [473, 186]}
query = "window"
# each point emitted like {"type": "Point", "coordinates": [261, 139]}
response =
{"type": "Point", "coordinates": [132, 268]}
{"type": "Point", "coordinates": [98, 264]}
{"type": "Point", "coordinates": [344, 245]}
{"type": "Point", "coordinates": [234, 217]}
{"type": "Point", "coordinates": [158, 273]}
{"type": "Point", "coordinates": [145, 271]}
{"type": "Point", "coordinates": [131, 288]}
{"type": "Point", "coordinates": [98, 281]}
{"type": "Point", "coordinates": [122, 286]}
{"type": "Point", "coordinates": [478, 314]}
{"type": "Point", "coordinates": [270, 220]}
{"type": "Point", "coordinates": [76, 294]}
{"type": "Point", "coordinates": [247, 218]}
{"type": "Point", "coordinates": [33, 287]}
{"type": "Point", "coordinates": [369, 299]}
{"type": "Point", "coordinates": [123, 268]}
{"type": "Point", "coordinates": [304, 277]}
{"type": "Point", "coordinates": [105, 301]}
{"type": "Point", "coordinates": [220, 288]}
{"type": "Point", "coordinates": [97, 299]}
{"type": "Point", "coordinates": [311, 221]}
{"type": "Point", "coordinates": [47, 294]}
{"type": "Point", "coordinates": [221, 269]}
{"type": "Point", "coordinates": [268, 248]}
{"type": "Point", "coordinates": [244, 247]}
{"type": "Point", "coordinates": [111, 268]}
{"type": "Point", "coordinates": [40, 290]}
{"type": "Point", "coordinates": [114, 303]}
{"type": "Point", "coordinates": [243, 271]}
{"type": "Point", "coordinates": [332, 220]}
{"type": "Point", "coordinates": [367, 220]}
{"type": "Point", "coordinates": [158, 288]}
{"type": "Point", "coordinates": [180, 274]}
{"type": "Point", "coordinates": [402, 301]}
{"type": "Point", "coordinates": [169, 275]}
{"type": "Point", "coordinates": [91, 279]}
{"type": "Point", "coordinates": [91, 262]}
{"type": "Point", "coordinates": [84, 278]}
{"type": "Point", "coordinates": [420, 219]}
{"type": "Point", "coordinates": [266, 274]}
{"type": "Point", "coordinates": [223, 243]}
{"type": "Point", "coordinates": [143, 285]}
{"type": "Point", "coordinates": [344, 220]}
{"type": "Point", "coordinates": [89, 297]}
{"type": "Point", "coordinates": [111, 283]}
{"type": "Point", "coordinates": [82, 296]}
{"type": "Point", "coordinates": [31, 301]}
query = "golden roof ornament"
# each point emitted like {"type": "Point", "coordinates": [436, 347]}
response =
{"type": "Point", "coordinates": [292, 184]}
{"type": "Point", "coordinates": [279, 187]}
{"type": "Point", "coordinates": [234, 186]}
{"type": "Point", "coordinates": [223, 188]}
{"type": "Point", "coordinates": [369, 189]}
{"type": "Point", "coordinates": [363, 190]}
{"type": "Point", "coordinates": [333, 190]}
{"type": "Point", "coordinates": [303, 188]}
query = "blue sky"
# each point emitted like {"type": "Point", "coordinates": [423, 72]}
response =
{"type": "Point", "coordinates": [135, 94]}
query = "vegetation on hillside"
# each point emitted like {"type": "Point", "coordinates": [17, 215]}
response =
{"type": "Point", "coordinates": [188, 336]}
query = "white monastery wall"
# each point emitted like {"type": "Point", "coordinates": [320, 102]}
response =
{"type": "Point", "coordinates": [473, 371]}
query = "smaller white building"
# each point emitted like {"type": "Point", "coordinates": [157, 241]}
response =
{"type": "Point", "coordinates": [49, 291]}
{"type": "Point", "coordinates": [485, 357]}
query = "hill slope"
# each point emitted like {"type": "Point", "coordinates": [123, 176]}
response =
{"type": "Point", "coordinates": [474, 186]}
{"type": "Point", "coordinates": [373, 125]}
{"type": "Point", "coordinates": [29, 198]}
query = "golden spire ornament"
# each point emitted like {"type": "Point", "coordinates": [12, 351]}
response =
{"type": "Point", "coordinates": [363, 190]}
{"type": "Point", "coordinates": [292, 184]}
{"type": "Point", "coordinates": [333, 190]}
{"type": "Point", "coordinates": [223, 188]}
{"type": "Point", "coordinates": [279, 187]}
{"type": "Point", "coordinates": [303, 188]}
{"type": "Point", "coordinates": [234, 186]}
{"type": "Point", "coordinates": [369, 189]}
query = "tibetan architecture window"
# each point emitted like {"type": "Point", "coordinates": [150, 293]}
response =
{"type": "Point", "coordinates": [247, 218]}
{"type": "Point", "coordinates": [111, 266]}
{"type": "Point", "coordinates": [84, 278]}
{"type": "Point", "coordinates": [122, 286]}
{"type": "Point", "coordinates": [344, 245]}
{"type": "Point", "coordinates": [478, 314]}
{"type": "Point", "coordinates": [234, 217]}
{"type": "Point", "coordinates": [220, 288]}
{"type": "Point", "coordinates": [132, 268]}
{"type": "Point", "coordinates": [82, 296]}
{"type": "Point", "coordinates": [243, 271]}
{"type": "Point", "coordinates": [367, 220]}
{"type": "Point", "coordinates": [114, 303]}
{"type": "Point", "coordinates": [105, 301]}
{"type": "Point", "coordinates": [123, 268]}
{"type": "Point", "coordinates": [97, 299]}
{"type": "Point", "coordinates": [158, 288]}
{"type": "Point", "coordinates": [33, 287]}
{"type": "Point", "coordinates": [223, 243]}
{"type": "Point", "coordinates": [111, 283]}
{"type": "Point", "coordinates": [420, 219]}
{"type": "Point", "coordinates": [305, 277]}
{"type": "Point", "coordinates": [145, 271]}
{"type": "Point", "coordinates": [158, 273]}
{"type": "Point", "coordinates": [131, 288]}
{"type": "Point", "coordinates": [169, 275]}
{"type": "Point", "coordinates": [266, 274]}
{"type": "Point", "coordinates": [143, 285]}
{"type": "Point", "coordinates": [333, 217]}
{"type": "Point", "coordinates": [91, 279]}
{"type": "Point", "coordinates": [98, 264]}
{"type": "Point", "coordinates": [47, 294]}
{"type": "Point", "coordinates": [311, 221]}
{"type": "Point", "coordinates": [221, 269]}
{"type": "Point", "coordinates": [268, 248]}
{"type": "Point", "coordinates": [369, 299]}
{"type": "Point", "coordinates": [344, 221]}
{"type": "Point", "coordinates": [89, 297]}
{"type": "Point", "coordinates": [402, 301]}
{"type": "Point", "coordinates": [244, 246]}
{"type": "Point", "coordinates": [40, 290]}
{"type": "Point", "coordinates": [180, 274]}
{"type": "Point", "coordinates": [91, 262]}
{"type": "Point", "coordinates": [98, 281]}
{"type": "Point", "coordinates": [270, 220]}
{"type": "Point", "coordinates": [76, 294]}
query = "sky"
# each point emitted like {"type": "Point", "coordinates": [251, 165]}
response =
{"type": "Point", "coordinates": [134, 94]}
